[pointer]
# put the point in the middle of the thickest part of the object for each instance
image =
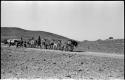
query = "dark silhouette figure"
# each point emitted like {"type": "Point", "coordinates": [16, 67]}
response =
{"type": "Point", "coordinates": [39, 42]}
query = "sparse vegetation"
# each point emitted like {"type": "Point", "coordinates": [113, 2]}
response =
{"type": "Point", "coordinates": [37, 63]}
{"type": "Point", "coordinates": [111, 38]}
{"type": "Point", "coordinates": [109, 46]}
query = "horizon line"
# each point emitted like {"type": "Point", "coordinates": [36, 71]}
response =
{"type": "Point", "coordinates": [64, 36]}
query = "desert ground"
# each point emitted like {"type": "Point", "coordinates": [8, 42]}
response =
{"type": "Point", "coordinates": [31, 63]}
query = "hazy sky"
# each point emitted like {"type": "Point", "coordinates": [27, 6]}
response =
{"type": "Point", "coordinates": [79, 20]}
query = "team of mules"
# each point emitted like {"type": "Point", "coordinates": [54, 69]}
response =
{"type": "Point", "coordinates": [54, 44]}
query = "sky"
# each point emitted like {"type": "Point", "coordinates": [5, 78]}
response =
{"type": "Point", "coordinates": [79, 20]}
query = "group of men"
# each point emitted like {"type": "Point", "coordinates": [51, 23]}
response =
{"type": "Point", "coordinates": [54, 44]}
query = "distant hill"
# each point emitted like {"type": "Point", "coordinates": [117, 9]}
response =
{"type": "Point", "coordinates": [13, 32]}
{"type": "Point", "coordinates": [109, 46]}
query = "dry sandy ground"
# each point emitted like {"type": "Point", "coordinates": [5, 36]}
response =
{"type": "Point", "coordinates": [36, 63]}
